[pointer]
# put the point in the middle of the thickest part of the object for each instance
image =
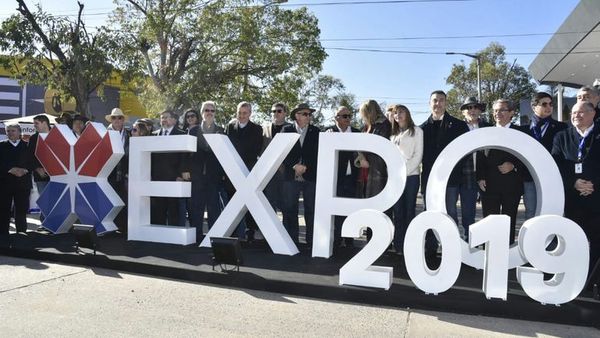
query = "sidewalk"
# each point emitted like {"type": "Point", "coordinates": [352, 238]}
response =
{"type": "Point", "coordinates": [43, 299]}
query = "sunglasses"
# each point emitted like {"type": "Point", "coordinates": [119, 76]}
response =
{"type": "Point", "coordinates": [135, 130]}
{"type": "Point", "coordinates": [304, 113]}
{"type": "Point", "coordinates": [344, 116]}
{"type": "Point", "coordinates": [190, 116]}
{"type": "Point", "coordinates": [277, 111]}
{"type": "Point", "coordinates": [116, 117]}
{"type": "Point", "coordinates": [472, 106]}
{"type": "Point", "coordinates": [546, 104]}
{"type": "Point", "coordinates": [209, 110]}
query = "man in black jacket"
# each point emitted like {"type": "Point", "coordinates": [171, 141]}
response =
{"type": "Point", "coordinates": [207, 173]}
{"type": "Point", "coordinates": [498, 173]}
{"type": "Point", "coordinates": [41, 123]}
{"type": "Point", "coordinates": [300, 172]}
{"type": "Point", "coordinates": [167, 167]}
{"type": "Point", "coordinates": [347, 172]}
{"type": "Point", "coordinates": [118, 177]}
{"type": "Point", "coordinates": [439, 130]}
{"type": "Point", "coordinates": [577, 154]}
{"type": "Point", "coordinates": [246, 137]}
{"type": "Point", "coordinates": [543, 128]}
{"type": "Point", "coordinates": [274, 191]}
{"type": "Point", "coordinates": [15, 180]}
{"type": "Point", "coordinates": [468, 189]}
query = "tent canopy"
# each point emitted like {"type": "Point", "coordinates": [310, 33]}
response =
{"type": "Point", "coordinates": [28, 119]}
{"type": "Point", "coordinates": [572, 56]}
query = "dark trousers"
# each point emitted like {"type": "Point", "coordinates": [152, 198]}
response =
{"type": "Point", "coordinates": [346, 187]}
{"type": "Point", "coordinates": [505, 203]}
{"type": "Point", "coordinates": [20, 197]}
{"type": "Point", "coordinates": [589, 222]}
{"type": "Point", "coordinates": [205, 196]}
{"type": "Point", "coordinates": [404, 210]}
{"type": "Point", "coordinates": [165, 210]}
{"type": "Point", "coordinates": [431, 242]}
{"type": "Point", "coordinates": [468, 200]}
{"type": "Point", "coordinates": [274, 191]}
{"type": "Point", "coordinates": [291, 194]}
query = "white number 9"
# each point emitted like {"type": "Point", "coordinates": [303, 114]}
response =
{"type": "Point", "coordinates": [568, 261]}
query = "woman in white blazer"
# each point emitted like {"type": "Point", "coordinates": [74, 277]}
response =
{"type": "Point", "coordinates": [409, 140]}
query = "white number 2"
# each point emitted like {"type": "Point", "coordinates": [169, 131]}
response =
{"type": "Point", "coordinates": [358, 270]}
{"type": "Point", "coordinates": [568, 261]}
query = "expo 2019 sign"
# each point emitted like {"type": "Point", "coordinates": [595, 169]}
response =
{"type": "Point", "coordinates": [86, 195]}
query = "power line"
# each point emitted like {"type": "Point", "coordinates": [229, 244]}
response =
{"type": "Point", "coordinates": [349, 3]}
{"type": "Point", "coordinates": [444, 53]}
{"type": "Point", "coordinates": [449, 37]}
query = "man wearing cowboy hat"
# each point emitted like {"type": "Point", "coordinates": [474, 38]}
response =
{"type": "Point", "coordinates": [468, 189]}
{"type": "Point", "coordinates": [300, 172]}
{"type": "Point", "coordinates": [118, 177]}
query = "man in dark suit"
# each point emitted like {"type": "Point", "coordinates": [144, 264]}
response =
{"type": "Point", "coordinates": [300, 172]}
{"type": "Point", "coordinates": [167, 167]}
{"type": "Point", "coordinates": [41, 123]}
{"type": "Point", "coordinates": [118, 177]}
{"type": "Point", "coordinates": [206, 171]}
{"type": "Point", "coordinates": [577, 154]}
{"type": "Point", "coordinates": [246, 137]}
{"type": "Point", "coordinates": [439, 130]}
{"type": "Point", "coordinates": [590, 94]}
{"type": "Point", "coordinates": [543, 128]}
{"type": "Point", "coordinates": [347, 173]}
{"type": "Point", "coordinates": [468, 189]}
{"type": "Point", "coordinates": [274, 191]}
{"type": "Point", "coordinates": [15, 180]}
{"type": "Point", "coordinates": [498, 173]}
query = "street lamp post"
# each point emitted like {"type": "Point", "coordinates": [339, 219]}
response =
{"type": "Point", "coordinates": [478, 58]}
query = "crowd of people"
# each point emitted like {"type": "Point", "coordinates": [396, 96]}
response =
{"type": "Point", "coordinates": [495, 177]}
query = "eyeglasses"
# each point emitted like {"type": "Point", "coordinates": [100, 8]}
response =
{"type": "Point", "coordinates": [344, 116]}
{"type": "Point", "coordinates": [304, 113]}
{"type": "Point", "coordinates": [116, 117]}
{"type": "Point", "coordinates": [277, 111]}
{"type": "Point", "coordinates": [546, 104]}
{"type": "Point", "coordinates": [501, 110]}
{"type": "Point", "coordinates": [209, 110]}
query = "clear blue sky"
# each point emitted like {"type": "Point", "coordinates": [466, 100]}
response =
{"type": "Point", "coordinates": [402, 78]}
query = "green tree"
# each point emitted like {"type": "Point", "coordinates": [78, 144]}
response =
{"type": "Point", "coordinates": [499, 79]}
{"type": "Point", "coordinates": [321, 95]}
{"type": "Point", "coordinates": [226, 51]}
{"type": "Point", "coordinates": [56, 52]}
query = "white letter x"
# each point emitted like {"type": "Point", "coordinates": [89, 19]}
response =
{"type": "Point", "coordinates": [249, 191]}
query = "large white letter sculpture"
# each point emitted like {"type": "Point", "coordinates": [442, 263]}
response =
{"type": "Point", "coordinates": [249, 191]}
{"type": "Point", "coordinates": [543, 169]}
{"type": "Point", "coordinates": [141, 188]}
{"type": "Point", "coordinates": [327, 205]}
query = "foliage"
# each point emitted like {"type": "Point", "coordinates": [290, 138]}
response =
{"type": "Point", "coordinates": [56, 52]}
{"type": "Point", "coordinates": [499, 79]}
{"type": "Point", "coordinates": [226, 51]}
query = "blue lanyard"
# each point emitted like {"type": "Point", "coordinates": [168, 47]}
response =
{"type": "Point", "coordinates": [580, 149]}
{"type": "Point", "coordinates": [538, 134]}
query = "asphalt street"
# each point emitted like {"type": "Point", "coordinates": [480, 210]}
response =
{"type": "Point", "coordinates": [40, 299]}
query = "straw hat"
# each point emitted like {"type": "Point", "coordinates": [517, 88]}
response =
{"type": "Point", "coordinates": [114, 113]}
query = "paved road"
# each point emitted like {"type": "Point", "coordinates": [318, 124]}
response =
{"type": "Point", "coordinates": [39, 299]}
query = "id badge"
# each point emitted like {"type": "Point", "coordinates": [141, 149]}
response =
{"type": "Point", "coordinates": [578, 168]}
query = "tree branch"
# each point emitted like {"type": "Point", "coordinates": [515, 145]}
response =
{"type": "Point", "coordinates": [36, 27]}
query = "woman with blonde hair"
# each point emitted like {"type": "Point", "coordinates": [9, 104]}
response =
{"type": "Point", "coordinates": [409, 140]}
{"type": "Point", "coordinates": [375, 123]}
